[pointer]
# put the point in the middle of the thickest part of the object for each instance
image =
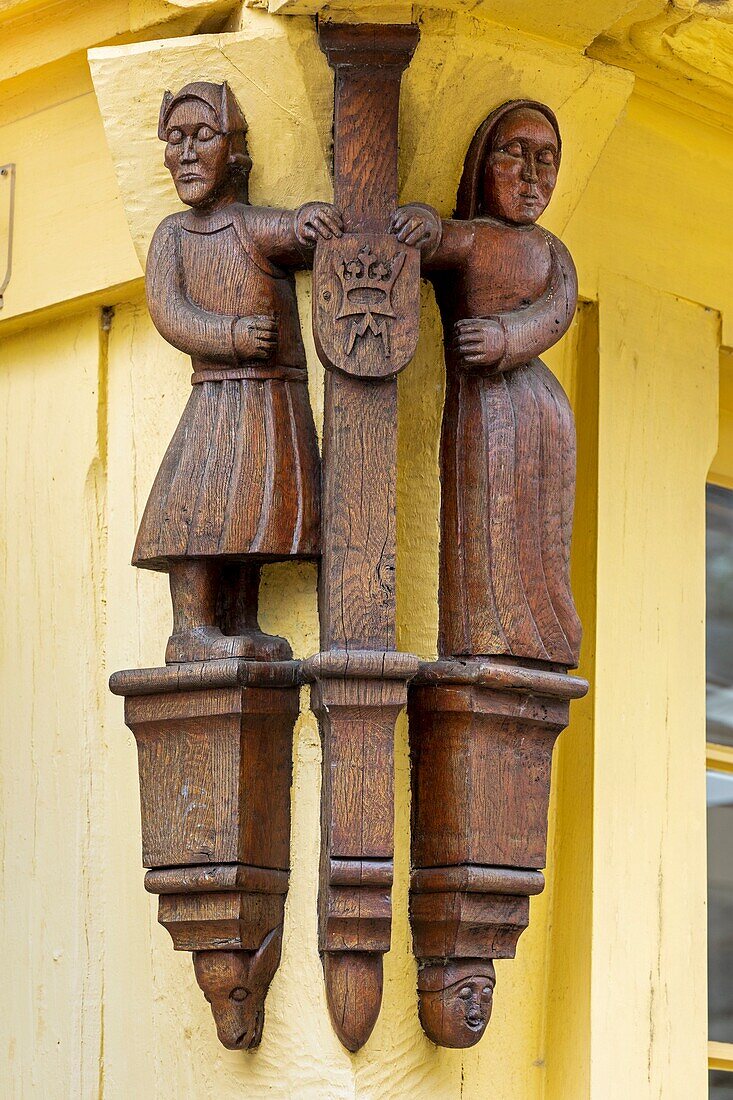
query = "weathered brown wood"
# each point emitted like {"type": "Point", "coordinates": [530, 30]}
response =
{"type": "Point", "coordinates": [238, 486]}
{"type": "Point", "coordinates": [240, 481]}
{"type": "Point", "coordinates": [484, 718]}
{"type": "Point", "coordinates": [195, 750]}
{"type": "Point", "coordinates": [365, 315]}
{"type": "Point", "coordinates": [235, 984]}
{"type": "Point", "coordinates": [215, 775]}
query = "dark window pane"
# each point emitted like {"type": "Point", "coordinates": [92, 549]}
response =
{"type": "Point", "coordinates": [721, 1085]}
{"type": "Point", "coordinates": [719, 615]}
{"type": "Point", "coordinates": [720, 906]}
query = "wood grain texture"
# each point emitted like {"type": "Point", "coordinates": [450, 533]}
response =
{"type": "Point", "coordinates": [484, 717]}
{"type": "Point", "coordinates": [238, 486]}
{"type": "Point", "coordinates": [366, 316]}
{"type": "Point", "coordinates": [195, 749]}
{"type": "Point", "coordinates": [215, 775]}
{"type": "Point", "coordinates": [508, 454]}
{"type": "Point", "coordinates": [357, 710]}
{"type": "Point", "coordinates": [358, 541]}
{"type": "Point", "coordinates": [240, 479]}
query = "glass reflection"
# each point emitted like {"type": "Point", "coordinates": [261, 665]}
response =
{"type": "Point", "coordinates": [720, 907]}
{"type": "Point", "coordinates": [719, 621]}
{"type": "Point", "coordinates": [721, 1085]}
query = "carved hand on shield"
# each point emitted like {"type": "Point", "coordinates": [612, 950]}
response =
{"type": "Point", "coordinates": [316, 220]}
{"type": "Point", "coordinates": [418, 225]}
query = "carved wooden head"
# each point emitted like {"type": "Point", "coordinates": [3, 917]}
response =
{"type": "Point", "coordinates": [512, 164]}
{"type": "Point", "coordinates": [456, 1001]}
{"type": "Point", "coordinates": [235, 984]}
{"type": "Point", "coordinates": [206, 145]}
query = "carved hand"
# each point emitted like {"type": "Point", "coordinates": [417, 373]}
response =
{"type": "Point", "coordinates": [255, 337]}
{"type": "Point", "coordinates": [318, 219]}
{"type": "Point", "coordinates": [418, 225]}
{"type": "Point", "coordinates": [479, 341]}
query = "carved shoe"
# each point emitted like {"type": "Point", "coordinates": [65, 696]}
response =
{"type": "Point", "coordinates": [207, 643]}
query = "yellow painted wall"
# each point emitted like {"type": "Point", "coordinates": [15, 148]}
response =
{"type": "Point", "coordinates": [607, 995]}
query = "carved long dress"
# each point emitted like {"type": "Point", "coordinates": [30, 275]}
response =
{"type": "Point", "coordinates": [508, 450]}
{"type": "Point", "coordinates": [241, 475]}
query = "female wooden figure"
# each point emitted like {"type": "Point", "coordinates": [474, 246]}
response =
{"type": "Point", "coordinates": [239, 484]}
{"type": "Point", "coordinates": [507, 291]}
{"type": "Point", "coordinates": [484, 717]}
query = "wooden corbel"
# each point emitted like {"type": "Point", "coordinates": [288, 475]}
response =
{"type": "Point", "coordinates": [484, 717]}
{"type": "Point", "coordinates": [238, 486]}
{"type": "Point", "coordinates": [366, 298]}
{"type": "Point", "coordinates": [241, 485]}
{"type": "Point", "coordinates": [214, 741]}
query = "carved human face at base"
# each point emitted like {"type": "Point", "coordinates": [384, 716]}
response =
{"type": "Point", "coordinates": [521, 169]}
{"type": "Point", "coordinates": [238, 1010]}
{"type": "Point", "coordinates": [457, 1015]}
{"type": "Point", "coordinates": [196, 153]}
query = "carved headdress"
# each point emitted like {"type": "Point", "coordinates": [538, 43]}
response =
{"type": "Point", "coordinates": [470, 190]}
{"type": "Point", "coordinates": [230, 119]}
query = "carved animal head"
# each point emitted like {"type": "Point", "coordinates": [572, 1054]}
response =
{"type": "Point", "coordinates": [206, 144]}
{"type": "Point", "coordinates": [512, 164]}
{"type": "Point", "coordinates": [456, 1001]}
{"type": "Point", "coordinates": [235, 984]}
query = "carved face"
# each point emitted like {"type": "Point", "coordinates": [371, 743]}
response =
{"type": "Point", "coordinates": [196, 152]}
{"type": "Point", "coordinates": [238, 1010]}
{"type": "Point", "coordinates": [457, 1015]}
{"type": "Point", "coordinates": [521, 168]}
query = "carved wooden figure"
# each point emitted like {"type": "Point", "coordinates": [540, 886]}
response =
{"type": "Point", "coordinates": [239, 486]}
{"type": "Point", "coordinates": [366, 288]}
{"type": "Point", "coordinates": [484, 717]}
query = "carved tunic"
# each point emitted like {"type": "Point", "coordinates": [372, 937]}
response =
{"type": "Point", "coordinates": [241, 475]}
{"type": "Point", "coordinates": [508, 449]}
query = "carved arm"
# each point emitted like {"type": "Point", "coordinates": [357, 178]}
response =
{"type": "Point", "coordinates": [288, 237]}
{"type": "Point", "coordinates": [194, 331]}
{"type": "Point", "coordinates": [530, 331]}
{"type": "Point", "coordinates": [507, 339]}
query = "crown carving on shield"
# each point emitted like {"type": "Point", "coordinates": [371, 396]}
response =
{"type": "Point", "coordinates": [367, 282]}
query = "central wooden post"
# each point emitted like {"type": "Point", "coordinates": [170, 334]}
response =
{"type": "Point", "coordinates": [366, 318]}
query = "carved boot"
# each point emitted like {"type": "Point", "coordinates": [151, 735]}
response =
{"type": "Point", "coordinates": [209, 643]}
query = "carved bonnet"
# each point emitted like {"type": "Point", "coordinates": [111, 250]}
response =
{"type": "Point", "coordinates": [468, 203]}
{"type": "Point", "coordinates": [231, 120]}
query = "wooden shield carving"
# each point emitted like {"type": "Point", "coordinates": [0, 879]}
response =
{"type": "Point", "coordinates": [366, 304]}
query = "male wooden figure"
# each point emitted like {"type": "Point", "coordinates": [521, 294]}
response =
{"type": "Point", "coordinates": [239, 484]}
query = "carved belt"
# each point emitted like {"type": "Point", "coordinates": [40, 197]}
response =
{"type": "Point", "coordinates": [256, 371]}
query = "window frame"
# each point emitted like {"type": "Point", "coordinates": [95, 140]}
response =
{"type": "Point", "coordinates": [719, 758]}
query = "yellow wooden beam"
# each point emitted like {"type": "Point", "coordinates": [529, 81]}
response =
{"type": "Point", "coordinates": [656, 440]}
{"type": "Point", "coordinates": [682, 48]}
{"type": "Point", "coordinates": [719, 757]}
{"type": "Point", "coordinates": [70, 237]}
{"type": "Point", "coordinates": [721, 471]}
{"type": "Point", "coordinates": [570, 850]}
{"type": "Point", "coordinates": [720, 1056]}
{"type": "Point", "coordinates": [39, 32]}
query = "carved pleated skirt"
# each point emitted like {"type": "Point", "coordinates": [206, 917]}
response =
{"type": "Point", "coordinates": [240, 478]}
{"type": "Point", "coordinates": [508, 462]}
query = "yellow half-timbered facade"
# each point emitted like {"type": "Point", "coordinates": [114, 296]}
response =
{"type": "Point", "coordinates": [609, 995]}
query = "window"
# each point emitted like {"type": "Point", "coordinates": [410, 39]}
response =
{"type": "Point", "coordinates": [719, 676]}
